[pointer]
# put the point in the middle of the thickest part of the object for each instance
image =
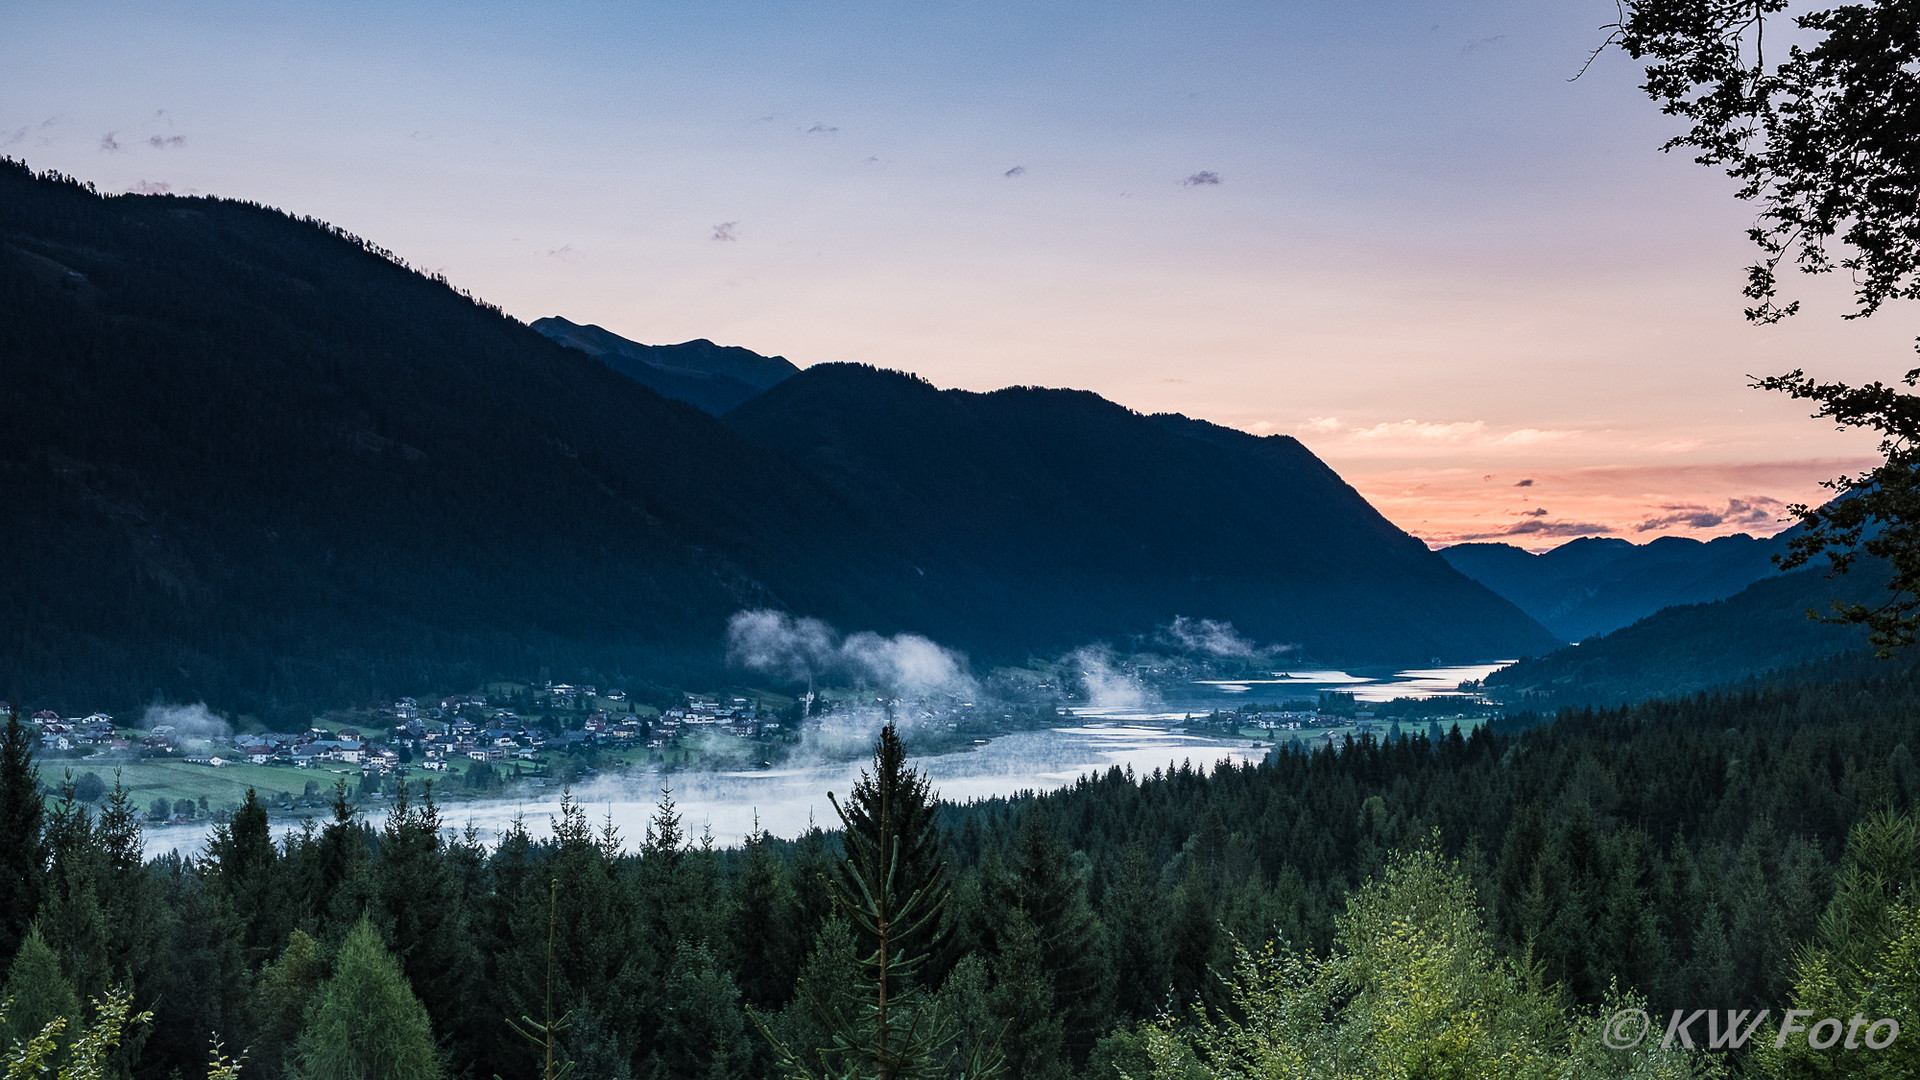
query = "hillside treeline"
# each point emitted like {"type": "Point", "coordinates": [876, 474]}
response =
{"type": "Point", "coordinates": [1714, 852]}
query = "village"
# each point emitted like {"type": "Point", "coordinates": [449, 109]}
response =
{"type": "Point", "coordinates": [473, 742]}
{"type": "Point", "coordinates": [183, 764]}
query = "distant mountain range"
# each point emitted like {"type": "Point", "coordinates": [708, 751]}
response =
{"type": "Point", "coordinates": [1689, 648]}
{"type": "Point", "coordinates": [1594, 585]}
{"type": "Point", "coordinates": [252, 460]}
{"type": "Point", "coordinates": [712, 378]}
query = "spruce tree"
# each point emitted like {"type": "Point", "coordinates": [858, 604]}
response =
{"type": "Point", "coordinates": [38, 993]}
{"type": "Point", "coordinates": [703, 1035]}
{"type": "Point", "coordinates": [1051, 891]}
{"type": "Point", "coordinates": [286, 988]}
{"type": "Point", "coordinates": [892, 839]}
{"type": "Point", "coordinates": [1135, 917]}
{"type": "Point", "coordinates": [766, 914]}
{"type": "Point", "coordinates": [74, 922]}
{"type": "Point", "coordinates": [1024, 1000]}
{"type": "Point", "coordinates": [244, 863]}
{"type": "Point", "coordinates": [23, 853]}
{"type": "Point", "coordinates": [891, 887]}
{"type": "Point", "coordinates": [419, 908]}
{"type": "Point", "coordinates": [365, 1021]}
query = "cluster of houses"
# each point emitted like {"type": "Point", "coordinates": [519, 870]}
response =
{"type": "Point", "coordinates": [735, 716]}
{"type": "Point", "coordinates": [1270, 718]}
{"type": "Point", "coordinates": [455, 730]}
{"type": "Point", "coordinates": [74, 732]}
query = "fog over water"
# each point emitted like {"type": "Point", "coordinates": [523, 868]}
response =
{"type": "Point", "coordinates": [1134, 732]}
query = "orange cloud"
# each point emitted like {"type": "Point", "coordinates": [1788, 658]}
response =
{"type": "Point", "coordinates": [1451, 505]}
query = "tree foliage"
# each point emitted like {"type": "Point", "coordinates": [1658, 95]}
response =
{"type": "Point", "coordinates": [1817, 129]}
{"type": "Point", "coordinates": [1819, 133]}
{"type": "Point", "coordinates": [365, 1022]}
{"type": "Point", "coordinates": [22, 848]}
{"type": "Point", "coordinates": [1412, 988]}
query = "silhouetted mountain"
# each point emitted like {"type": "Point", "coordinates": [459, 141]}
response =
{"type": "Point", "coordinates": [251, 459]}
{"type": "Point", "coordinates": [1593, 585]}
{"type": "Point", "coordinates": [713, 378]}
{"type": "Point", "coordinates": [1693, 647]}
{"type": "Point", "coordinates": [1077, 518]}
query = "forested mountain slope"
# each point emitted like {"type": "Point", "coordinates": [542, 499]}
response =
{"type": "Point", "coordinates": [1694, 647]}
{"type": "Point", "coordinates": [251, 460]}
{"type": "Point", "coordinates": [713, 378]}
{"type": "Point", "coordinates": [1067, 512]}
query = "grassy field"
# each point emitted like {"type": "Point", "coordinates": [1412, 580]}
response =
{"type": "Point", "coordinates": [1380, 729]}
{"type": "Point", "coordinates": [223, 788]}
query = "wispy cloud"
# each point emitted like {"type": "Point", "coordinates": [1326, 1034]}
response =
{"type": "Point", "coordinates": [1421, 431]}
{"type": "Point", "coordinates": [109, 143]}
{"type": "Point", "coordinates": [1412, 432]}
{"type": "Point", "coordinates": [1752, 510]}
{"type": "Point", "coordinates": [724, 232]}
{"type": "Point", "coordinates": [1459, 431]}
{"type": "Point", "coordinates": [1215, 638]}
{"type": "Point", "coordinates": [164, 142]}
{"type": "Point", "coordinates": [14, 136]}
{"type": "Point", "coordinates": [776, 643]}
{"type": "Point", "coordinates": [821, 129]}
{"type": "Point", "coordinates": [152, 187]}
{"type": "Point", "coordinates": [1319, 425]}
{"type": "Point", "coordinates": [1201, 179]}
{"type": "Point", "coordinates": [1568, 529]}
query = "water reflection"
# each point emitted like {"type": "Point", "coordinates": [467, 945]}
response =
{"type": "Point", "coordinates": [1384, 685]}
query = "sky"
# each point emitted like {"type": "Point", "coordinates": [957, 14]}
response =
{"type": "Point", "coordinates": [1402, 233]}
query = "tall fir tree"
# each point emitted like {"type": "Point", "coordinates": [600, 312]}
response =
{"type": "Point", "coordinates": [23, 853]}
{"type": "Point", "coordinates": [74, 921]}
{"type": "Point", "coordinates": [419, 909]}
{"type": "Point", "coordinates": [766, 916]}
{"type": "Point", "coordinates": [365, 1021]}
{"type": "Point", "coordinates": [891, 889]}
{"type": "Point", "coordinates": [37, 994]}
{"type": "Point", "coordinates": [1135, 915]}
{"type": "Point", "coordinates": [892, 839]}
{"type": "Point", "coordinates": [285, 990]}
{"type": "Point", "coordinates": [243, 868]}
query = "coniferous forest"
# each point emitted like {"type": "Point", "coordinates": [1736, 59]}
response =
{"type": "Point", "coordinates": [1435, 905]}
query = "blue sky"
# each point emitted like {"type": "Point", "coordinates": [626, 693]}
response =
{"type": "Point", "coordinates": [1427, 253]}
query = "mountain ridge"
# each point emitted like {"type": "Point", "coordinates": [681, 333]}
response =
{"type": "Point", "coordinates": [713, 378]}
{"type": "Point", "coordinates": [1061, 490]}
{"type": "Point", "coordinates": [1689, 648]}
{"type": "Point", "coordinates": [1595, 585]}
{"type": "Point", "coordinates": [255, 461]}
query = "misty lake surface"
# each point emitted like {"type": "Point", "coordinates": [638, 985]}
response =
{"type": "Point", "coordinates": [1121, 729]}
{"type": "Point", "coordinates": [1366, 686]}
